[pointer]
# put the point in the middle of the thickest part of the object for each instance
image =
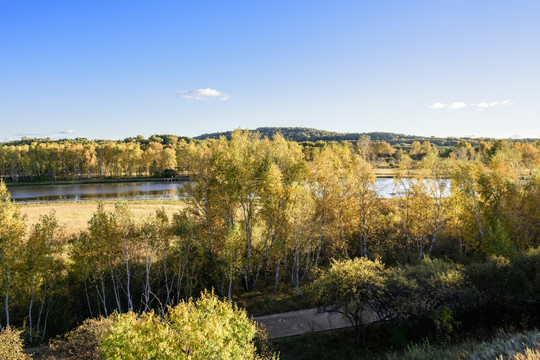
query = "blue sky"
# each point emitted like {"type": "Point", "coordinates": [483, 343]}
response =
{"type": "Point", "coordinates": [113, 69]}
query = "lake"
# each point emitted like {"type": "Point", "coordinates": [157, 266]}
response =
{"type": "Point", "coordinates": [144, 190]}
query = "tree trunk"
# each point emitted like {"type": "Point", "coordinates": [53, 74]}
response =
{"type": "Point", "coordinates": [6, 297]}
{"type": "Point", "coordinates": [128, 277]}
{"type": "Point", "coordinates": [321, 234]}
{"type": "Point", "coordinates": [276, 280]}
{"type": "Point", "coordinates": [30, 325]}
{"type": "Point", "coordinates": [88, 299]}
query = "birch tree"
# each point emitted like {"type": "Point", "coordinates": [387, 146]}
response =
{"type": "Point", "coordinates": [12, 229]}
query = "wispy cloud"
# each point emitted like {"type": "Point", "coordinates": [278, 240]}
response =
{"type": "Point", "coordinates": [451, 106]}
{"type": "Point", "coordinates": [204, 94]}
{"type": "Point", "coordinates": [478, 106]}
{"type": "Point", "coordinates": [67, 132]}
{"type": "Point", "coordinates": [52, 135]}
{"type": "Point", "coordinates": [486, 105]}
{"type": "Point", "coordinates": [29, 135]}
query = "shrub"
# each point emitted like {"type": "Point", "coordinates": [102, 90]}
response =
{"type": "Point", "coordinates": [11, 345]}
{"type": "Point", "coordinates": [203, 329]}
{"type": "Point", "coordinates": [82, 343]}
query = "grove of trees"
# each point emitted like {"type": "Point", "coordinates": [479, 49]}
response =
{"type": "Point", "coordinates": [271, 215]}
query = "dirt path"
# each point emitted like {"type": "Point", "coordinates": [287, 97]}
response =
{"type": "Point", "coordinates": [300, 322]}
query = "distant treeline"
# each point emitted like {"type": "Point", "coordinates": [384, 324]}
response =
{"type": "Point", "coordinates": [50, 160]}
{"type": "Point", "coordinates": [301, 134]}
{"type": "Point", "coordinates": [34, 160]}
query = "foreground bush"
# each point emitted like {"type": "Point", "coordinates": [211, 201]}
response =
{"type": "Point", "coordinates": [82, 343]}
{"type": "Point", "coordinates": [11, 346]}
{"type": "Point", "coordinates": [203, 329]}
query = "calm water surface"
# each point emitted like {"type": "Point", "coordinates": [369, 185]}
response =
{"type": "Point", "coordinates": [84, 192]}
{"type": "Point", "coordinates": [127, 191]}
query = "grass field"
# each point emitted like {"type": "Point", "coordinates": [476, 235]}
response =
{"type": "Point", "coordinates": [74, 216]}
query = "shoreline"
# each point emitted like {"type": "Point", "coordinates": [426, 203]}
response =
{"type": "Point", "coordinates": [379, 173]}
{"type": "Point", "coordinates": [96, 181]}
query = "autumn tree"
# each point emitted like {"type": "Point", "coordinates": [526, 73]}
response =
{"type": "Point", "coordinates": [41, 271]}
{"type": "Point", "coordinates": [12, 229]}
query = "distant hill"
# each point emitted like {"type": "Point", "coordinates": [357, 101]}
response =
{"type": "Point", "coordinates": [302, 134]}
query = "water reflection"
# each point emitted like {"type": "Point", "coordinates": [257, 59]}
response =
{"type": "Point", "coordinates": [85, 192]}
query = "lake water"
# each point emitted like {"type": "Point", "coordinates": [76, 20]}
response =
{"type": "Point", "coordinates": [84, 192]}
{"type": "Point", "coordinates": [126, 191]}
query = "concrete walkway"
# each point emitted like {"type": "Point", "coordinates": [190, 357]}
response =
{"type": "Point", "coordinates": [300, 322]}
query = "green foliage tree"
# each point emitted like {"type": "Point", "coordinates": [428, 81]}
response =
{"type": "Point", "coordinates": [351, 288]}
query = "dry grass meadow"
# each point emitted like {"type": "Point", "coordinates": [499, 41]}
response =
{"type": "Point", "coordinates": [74, 216]}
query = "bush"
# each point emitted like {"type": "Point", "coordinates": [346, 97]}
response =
{"type": "Point", "coordinates": [11, 345]}
{"type": "Point", "coordinates": [203, 329]}
{"type": "Point", "coordinates": [82, 343]}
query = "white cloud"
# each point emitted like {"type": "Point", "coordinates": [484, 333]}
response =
{"type": "Point", "coordinates": [438, 105]}
{"type": "Point", "coordinates": [484, 105]}
{"type": "Point", "coordinates": [67, 132]}
{"type": "Point", "coordinates": [492, 104]}
{"type": "Point", "coordinates": [457, 105]}
{"type": "Point", "coordinates": [479, 106]}
{"type": "Point", "coordinates": [204, 94]}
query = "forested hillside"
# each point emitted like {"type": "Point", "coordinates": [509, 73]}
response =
{"type": "Point", "coordinates": [300, 134]}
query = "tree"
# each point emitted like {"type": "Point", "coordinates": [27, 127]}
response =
{"type": "Point", "coordinates": [366, 204]}
{"type": "Point", "coordinates": [301, 242]}
{"type": "Point", "coordinates": [435, 178]}
{"type": "Point", "coordinates": [323, 181]}
{"type": "Point", "coordinates": [11, 239]}
{"type": "Point", "coordinates": [286, 168]}
{"type": "Point", "coordinates": [351, 288]}
{"type": "Point", "coordinates": [41, 271]}
{"type": "Point", "coordinates": [495, 202]}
